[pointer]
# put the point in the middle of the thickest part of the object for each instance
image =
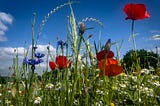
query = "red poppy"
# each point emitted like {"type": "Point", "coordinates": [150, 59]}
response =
{"type": "Point", "coordinates": [61, 62]}
{"type": "Point", "coordinates": [110, 67]}
{"type": "Point", "coordinates": [101, 55]}
{"type": "Point", "coordinates": [136, 11]}
{"type": "Point", "coordinates": [52, 65]}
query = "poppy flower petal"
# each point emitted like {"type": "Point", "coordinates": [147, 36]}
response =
{"type": "Point", "coordinates": [111, 61]}
{"type": "Point", "coordinates": [113, 70]}
{"type": "Point", "coordinates": [52, 65]}
{"type": "Point", "coordinates": [110, 67]}
{"type": "Point", "coordinates": [108, 61]}
{"type": "Point", "coordinates": [61, 62]}
{"type": "Point", "coordinates": [110, 54]}
{"type": "Point", "coordinates": [136, 11]}
{"type": "Point", "coordinates": [101, 55]}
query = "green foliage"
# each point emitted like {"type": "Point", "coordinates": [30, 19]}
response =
{"type": "Point", "coordinates": [2, 80]}
{"type": "Point", "coordinates": [144, 57]}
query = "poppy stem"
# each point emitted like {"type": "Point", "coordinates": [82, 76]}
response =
{"type": "Point", "coordinates": [134, 42]}
{"type": "Point", "coordinates": [138, 68]}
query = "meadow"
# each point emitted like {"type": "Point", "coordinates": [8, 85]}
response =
{"type": "Point", "coordinates": [82, 77]}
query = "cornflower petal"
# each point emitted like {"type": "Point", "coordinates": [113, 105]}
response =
{"type": "Point", "coordinates": [32, 61]}
{"type": "Point", "coordinates": [25, 61]}
{"type": "Point", "coordinates": [108, 45]}
{"type": "Point", "coordinates": [35, 47]}
{"type": "Point", "coordinates": [61, 43]}
{"type": "Point", "coordinates": [39, 55]}
{"type": "Point", "coordinates": [39, 61]}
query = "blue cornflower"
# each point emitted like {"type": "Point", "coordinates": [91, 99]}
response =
{"type": "Point", "coordinates": [109, 41]}
{"type": "Point", "coordinates": [29, 61]}
{"type": "Point", "coordinates": [108, 44]}
{"type": "Point", "coordinates": [39, 55]}
{"type": "Point", "coordinates": [61, 43]}
{"type": "Point", "coordinates": [25, 61]}
{"type": "Point", "coordinates": [39, 61]}
{"type": "Point", "coordinates": [35, 47]}
{"type": "Point", "coordinates": [32, 61]}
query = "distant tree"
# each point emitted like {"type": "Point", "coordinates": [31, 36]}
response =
{"type": "Point", "coordinates": [2, 80]}
{"type": "Point", "coordinates": [143, 57]}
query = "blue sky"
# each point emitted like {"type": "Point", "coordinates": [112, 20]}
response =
{"type": "Point", "coordinates": [16, 17]}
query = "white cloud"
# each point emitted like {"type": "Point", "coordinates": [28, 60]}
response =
{"type": "Point", "coordinates": [156, 37]}
{"type": "Point", "coordinates": [5, 19]}
{"type": "Point", "coordinates": [2, 32]}
{"type": "Point", "coordinates": [8, 53]}
{"type": "Point", "coordinates": [156, 50]}
{"type": "Point", "coordinates": [2, 37]}
{"type": "Point", "coordinates": [3, 27]}
{"type": "Point", "coordinates": [155, 31]}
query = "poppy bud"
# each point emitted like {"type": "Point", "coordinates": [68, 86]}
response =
{"type": "Point", "coordinates": [82, 28]}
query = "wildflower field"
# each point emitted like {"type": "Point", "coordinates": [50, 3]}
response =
{"type": "Point", "coordinates": [81, 75]}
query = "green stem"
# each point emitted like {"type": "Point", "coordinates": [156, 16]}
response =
{"type": "Point", "coordinates": [47, 60]}
{"type": "Point", "coordinates": [33, 24]}
{"type": "Point", "coordinates": [31, 72]}
{"type": "Point", "coordinates": [137, 62]}
{"type": "Point", "coordinates": [78, 49]}
{"type": "Point", "coordinates": [134, 42]}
